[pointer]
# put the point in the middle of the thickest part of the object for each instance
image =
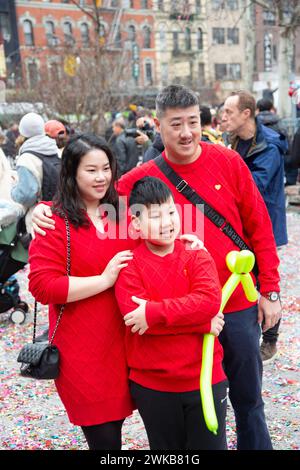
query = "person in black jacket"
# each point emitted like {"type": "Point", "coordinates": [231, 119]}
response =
{"type": "Point", "coordinates": [124, 148]}
{"type": "Point", "coordinates": [295, 152]}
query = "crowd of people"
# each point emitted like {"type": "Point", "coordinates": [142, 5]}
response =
{"type": "Point", "coordinates": [138, 301]}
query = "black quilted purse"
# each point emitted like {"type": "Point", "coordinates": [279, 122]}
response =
{"type": "Point", "coordinates": [41, 360]}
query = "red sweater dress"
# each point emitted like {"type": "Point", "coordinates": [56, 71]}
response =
{"type": "Point", "coordinates": [93, 379]}
{"type": "Point", "coordinates": [183, 293]}
{"type": "Point", "coordinates": [222, 178]}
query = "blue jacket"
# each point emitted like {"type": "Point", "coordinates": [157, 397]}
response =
{"type": "Point", "coordinates": [266, 163]}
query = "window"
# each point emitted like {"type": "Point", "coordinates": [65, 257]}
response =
{"type": "Point", "coordinates": [148, 74]}
{"type": "Point", "coordinates": [118, 37]}
{"type": "Point", "coordinates": [32, 74]}
{"type": "Point", "coordinates": [144, 4]}
{"type": "Point", "coordinates": [234, 72]}
{"type": "Point", "coordinates": [233, 35]}
{"type": "Point", "coordinates": [228, 71]}
{"type": "Point", "coordinates": [54, 71]}
{"type": "Point", "coordinates": [85, 34]}
{"type": "Point", "coordinates": [269, 18]}
{"type": "Point", "coordinates": [199, 39]}
{"type": "Point", "coordinates": [50, 33]}
{"type": "Point", "coordinates": [131, 33]}
{"type": "Point", "coordinates": [28, 33]}
{"type": "Point", "coordinates": [217, 4]}
{"type": "Point", "coordinates": [160, 5]}
{"type": "Point", "coordinates": [201, 75]}
{"type": "Point", "coordinates": [5, 27]}
{"type": "Point", "coordinates": [220, 71]}
{"type": "Point", "coordinates": [146, 37]}
{"type": "Point", "coordinates": [198, 7]}
{"type": "Point", "coordinates": [162, 39]}
{"type": "Point", "coordinates": [268, 52]}
{"type": "Point", "coordinates": [275, 52]}
{"type": "Point", "coordinates": [114, 3]}
{"type": "Point", "coordinates": [164, 74]}
{"type": "Point", "coordinates": [175, 41]}
{"type": "Point", "coordinates": [232, 4]}
{"type": "Point", "coordinates": [187, 39]}
{"type": "Point", "coordinates": [218, 35]}
{"type": "Point", "coordinates": [68, 33]}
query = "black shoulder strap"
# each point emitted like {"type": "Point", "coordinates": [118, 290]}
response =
{"type": "Point", "coordinates": [39, 155]}
{"type": "Point", "coordinates": [189, 193]}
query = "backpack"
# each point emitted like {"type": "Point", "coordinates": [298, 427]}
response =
{"type": "Point", "coordinates": [51, 171]}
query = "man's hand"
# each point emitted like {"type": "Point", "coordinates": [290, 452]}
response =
{"type": "Point", "coordinates": [217, 324]}
{"type": "Point", "coordinates": [142, 138]}
{"type": "Point", "coordinates": [41, 217]}
{"type": "Point", "coordinates": [269, 313]}
{"type": "Point", "coordinates": [192, 242]}
{"type": "Point", "coordinates": [137, 317]}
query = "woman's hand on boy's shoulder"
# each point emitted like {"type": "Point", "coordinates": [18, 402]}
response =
{"type": "Point", "coordinates": [192, 242]}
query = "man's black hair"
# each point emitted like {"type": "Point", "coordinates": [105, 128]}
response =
{"type": "Point", "coordinates": [175, 96]}
{"type": "Point", "coordinates": [149, 190]}
{"type": "Point", "coordinates": [264, 105]}
{"type": "Point", "coordinates": [205, 116]}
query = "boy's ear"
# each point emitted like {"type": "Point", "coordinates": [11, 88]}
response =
{"type": "Point", "coordinates": [135, 223]}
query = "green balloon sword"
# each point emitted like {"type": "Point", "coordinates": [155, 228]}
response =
{"type": "Point", "coordinates": [239, 263]}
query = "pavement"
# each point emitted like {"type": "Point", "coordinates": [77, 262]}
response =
{"type": "Point", "coordinates": [32, 416]}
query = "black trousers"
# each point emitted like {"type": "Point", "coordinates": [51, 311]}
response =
{"type": "Point", "coordinates": [175, 421]}
{"type": "Point", "coordinates": [271, 335]}
{"type": "Point", "coordinates": [106, 436]}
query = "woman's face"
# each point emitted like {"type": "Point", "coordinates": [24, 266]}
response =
{"type": "Point", "coordinates": [93, 176]}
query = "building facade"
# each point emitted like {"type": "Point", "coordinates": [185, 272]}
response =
{"type": "Point", "coordinates": [50, 30]}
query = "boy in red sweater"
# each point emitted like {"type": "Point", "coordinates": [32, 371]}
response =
{"type": "Point", "coordinates": [178, 296]}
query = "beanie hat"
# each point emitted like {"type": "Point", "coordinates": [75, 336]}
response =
{"type": "Point", "coordinates": [55, 128]}
{"type": "Point", "coordinates": [31, 124]}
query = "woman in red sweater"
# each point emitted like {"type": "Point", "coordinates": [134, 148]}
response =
{"type": "Point", "coordinates": [93, 379]}
{"type": "Point", "coordinates": [179, 295]}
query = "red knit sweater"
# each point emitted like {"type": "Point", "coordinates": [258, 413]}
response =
{"type": "Point", "coordinates": [221, 177]}
{"type": "Point", "coordinates": [93, 380]}
{"type": "Point", "coordinates": [183, 293]}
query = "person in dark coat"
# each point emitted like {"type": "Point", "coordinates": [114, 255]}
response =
{"type": "Point", "coordinates": [262, 149]}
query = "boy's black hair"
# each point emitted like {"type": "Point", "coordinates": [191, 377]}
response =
{"type": "Point", "coordinates": [175, 96]}
{"type": "Point", "coordinates": [149, 190]}
{"type": "Point", "coordinates": [264, 105]}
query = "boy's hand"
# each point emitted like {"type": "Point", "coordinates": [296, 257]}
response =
{"type": "Point", "coordinates": [137, 317]}
{"type": "Point", "coordinates": [192, 242]}
{"type": "Point", "coordinates": [217, 324]}
{"type": "Point", "coordinates": [41, 217]}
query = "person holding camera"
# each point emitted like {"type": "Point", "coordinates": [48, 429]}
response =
{"type": "Point", "coordinates": [124, 147]}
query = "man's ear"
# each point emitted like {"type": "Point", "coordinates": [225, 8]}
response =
{"type": "Point", "coordinates": [157, 124]}
{"type": "Point", "coordinates": [136, 223]}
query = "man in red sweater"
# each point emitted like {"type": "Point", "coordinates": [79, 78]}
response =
{"type": "Point", "coordinates": [178, 295]}
{"type": "Point", "coordinates": [221, 177]}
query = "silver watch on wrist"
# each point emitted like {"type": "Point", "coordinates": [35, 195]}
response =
{"type": "Point", "coordinates": [272, 296]}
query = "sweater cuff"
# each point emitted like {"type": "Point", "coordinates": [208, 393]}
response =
{"type": "Point", "coordinates": [60, 289]}
{"type": "Point", "coordinates": [154, 315]}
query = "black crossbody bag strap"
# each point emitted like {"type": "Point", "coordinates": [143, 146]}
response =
{"type": "Point", "coordinates": [214, 216]}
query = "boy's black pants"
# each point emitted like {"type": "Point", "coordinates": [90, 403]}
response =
{"type": "Point", "coordinates": [175, 421]}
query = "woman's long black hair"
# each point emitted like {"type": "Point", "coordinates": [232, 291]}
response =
{"type": "Point", "coordinates": [67, 199]}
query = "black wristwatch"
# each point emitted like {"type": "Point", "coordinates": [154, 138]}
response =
{"type": "Point", "coordinates": [272, 296]}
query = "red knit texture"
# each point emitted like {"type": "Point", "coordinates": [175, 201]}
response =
{"type": "Point", "coordinates": [221, 177]}
{"type": "Point", "coordinates": [93, 379]}
{"type": "Point", "coordinates": [184, 294]}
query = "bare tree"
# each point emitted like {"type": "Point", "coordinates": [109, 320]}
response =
{"type": "Point", "coordinates": [88, 81]}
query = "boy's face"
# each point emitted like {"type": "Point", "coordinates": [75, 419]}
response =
{"type": "Point", "coordinates": [159, 224]}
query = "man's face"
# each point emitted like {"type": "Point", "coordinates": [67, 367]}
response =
{"type": "Point", "coordinates": [180, 131]}
{"type": "Point", "coordinates": [233, 120]}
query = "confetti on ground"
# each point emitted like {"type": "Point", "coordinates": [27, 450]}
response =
{"type": "Point", "coordinates": [32, 416]}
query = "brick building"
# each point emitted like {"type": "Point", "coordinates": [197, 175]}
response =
{"type": "Point", "coordinates": [48, 30]}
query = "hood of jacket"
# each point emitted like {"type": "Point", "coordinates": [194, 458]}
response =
{"type": "Point", "coordinates": [41, 144]}
{"type": "Point", "coordinates": [266, 136]}
{"type": "Point", "coordinates": [267, 118]}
